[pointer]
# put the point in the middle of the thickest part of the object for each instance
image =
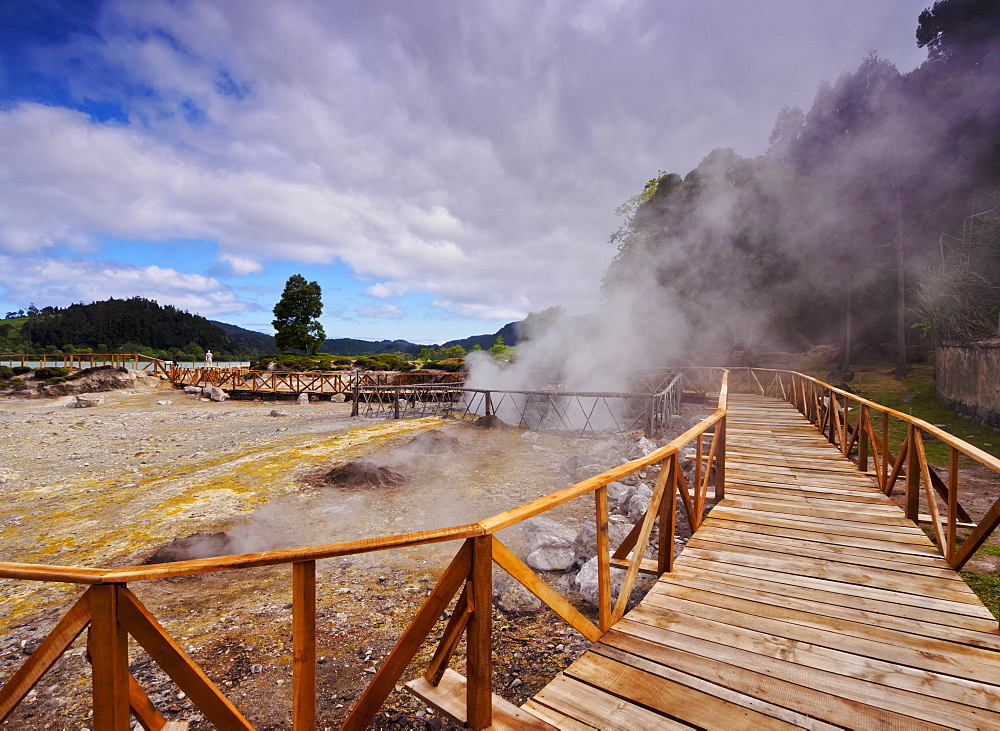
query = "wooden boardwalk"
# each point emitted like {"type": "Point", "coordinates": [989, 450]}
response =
{"type": "Point", "coordinates": [806, 599]}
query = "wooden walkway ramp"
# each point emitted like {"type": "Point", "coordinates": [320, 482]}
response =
{"type": "Point", "coordinates": [805, 600]}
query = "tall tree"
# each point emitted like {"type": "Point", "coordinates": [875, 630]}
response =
{"type": "Point", "coordinates": [296, 316]}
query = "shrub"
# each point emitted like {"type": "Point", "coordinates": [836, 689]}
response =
{"type": "Point", "coordinates": [3, 384]}
{"type": "Point", "coordinates": [369, 364]}
{"type": "Point", "coordinates": [390, 360]}
{"type": "Point", "coordinates": [18, 385]}
{"type": "Point", "coordinates": [6, 372]}
{"type": "Point", "coordinates": [20, 370]}
{"type": "Point", "coordinates": [44, 374]}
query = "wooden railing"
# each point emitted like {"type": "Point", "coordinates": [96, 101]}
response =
{"type": "Point", "coordinates": [345, 382]}
{"type": "Point", "coordinates": [113, 613]}
{"type": "Point", "coordinates": [861, 430]}
{"type": "Point", "coordinates": [135, 361]}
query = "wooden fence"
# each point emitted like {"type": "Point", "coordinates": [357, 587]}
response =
{"type": "Point", "coordinates": [861, 429]}
{"type": "Point", "coordinates": [113, 614]}
{"type": "Point", "coordinates": [135, 361]}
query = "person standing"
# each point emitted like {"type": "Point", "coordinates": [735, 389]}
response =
{"type": "Point", "coordinates": [208, 358]}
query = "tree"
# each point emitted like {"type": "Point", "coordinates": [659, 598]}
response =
{"type": "Point", "coordinates": [296, 323]}
{"type": "Point", "coordinates": [499, 350]}
{"type": "Point", "coordinates": [455, 351]}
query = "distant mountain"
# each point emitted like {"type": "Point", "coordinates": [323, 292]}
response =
{"type": "Point", "coordinates": [140, 325]}
{"type": "Point", "coordinates": [251, 338]}
{"type": "Point", "coordinates": [508, 332]}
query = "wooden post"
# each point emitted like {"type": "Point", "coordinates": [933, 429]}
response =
{"type": "Point", "coordinates": [720, 460]}
{"type": "Point", "coordinates": [912, 477]}
{"type": "Point", "coordinates": [395, 403]}
{"type": "Point", "coordinates": [647, 427]}
{"type": "Point", "coordinates": [354, 402]}
{"type": "Point", "coordinates": [304, 645]}
{"type": "Point", "coordinates": [108, 648]}
{"type": "Point", "coordinates": [603, 559]}
{"type": "Point", "coordinates": [489, 404]}
{"type": "Point", "coordinates": [952, 504]}
{"type": "Point", "coordinates": [668, 517]}
{"type": "Point", "coordinates": [479, 699]}
{"type": "Point", "coordinates": [864, 420]}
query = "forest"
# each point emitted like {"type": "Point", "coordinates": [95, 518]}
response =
{"type": "Point", "coordinates": [133, 325]}
{"type": "Point", "coordinates": [873, 218]}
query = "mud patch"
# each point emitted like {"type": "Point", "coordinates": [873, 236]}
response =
{"type": "Point", "coordinates": [434, 441]}
{"type": "Point", "coordinates": [197, 545]}
{"type": "Point", "coordinates": [363, 474]}
{"type": "Point", "coordinates": [491, 422]}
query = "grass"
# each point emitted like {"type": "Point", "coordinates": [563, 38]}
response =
{"type": "Point", "coordinates": [987, 588]}
{"type": "Point", "coordinates": [877, 383]}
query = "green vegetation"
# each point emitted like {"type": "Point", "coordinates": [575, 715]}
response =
{"type": "Point", "coordinates": [918, 390]}
{"type": "Point", "coordinates": [987, 588]}
{"type": "Point", "coordinates": [296, 316]}
{"type": "Point", "coordinates": [134, 325]}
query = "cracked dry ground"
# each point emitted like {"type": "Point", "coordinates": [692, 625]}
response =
{"type": "Point", "coordinates": [107, 486]}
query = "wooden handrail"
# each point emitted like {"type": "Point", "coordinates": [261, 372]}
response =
{"type": "Point", "coordinates": [114, 613]}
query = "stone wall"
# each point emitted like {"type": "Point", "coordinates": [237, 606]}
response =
{"type": "Point", "coordinates": [968, 377]}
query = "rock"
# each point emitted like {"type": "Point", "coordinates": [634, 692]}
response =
{"type": "Point", "coordinates": [530, 436]}
{"type": "Point", "coordinates": [638, 504]}
{"type": "Point", "coordinates": [550, 545]}
{"type": "Point", "coordinates": [586, 582]}
{"type": "Point", "coordinates": [585, 543]}
{"type": "Point", "coordinates": [215, 393]}
{"type": "Point", "coordinates": [192, 389]}
{"type": "Point", "coordinates": [338, 398]}
{"type": "Point", "coordinates": [510, 596]}
{"type": "Point", "coordinates": [641, 448]}
{"type": "Point", "coordinates": [618, 496]}
{"type": "Point", "coordinates": [275, 412]}
{"type": "Point", "coordinates": [490, 422]}
{"type": "Point", "coordinates": [87, 400]}
{"type": "Point", "coordinates": [302, 399]}
{"type": "Point", "coordinates": [164, 403]}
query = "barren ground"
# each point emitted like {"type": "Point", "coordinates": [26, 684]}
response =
{"type": "Point", "coordinates": [107, 486]}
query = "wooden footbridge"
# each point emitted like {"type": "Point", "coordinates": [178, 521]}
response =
{"type": "Point", "coordinates": [805, 597]}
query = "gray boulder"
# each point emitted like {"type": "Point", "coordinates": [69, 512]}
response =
{"type": "Point", "coordinates": [338, 398]}
{"type": "Point", "coordinates": [510, 596]}
{"type": "Point", "coordinates": [642, 448]}
{"type": "Point", "coordinates": [585, 543]}
{"type": "Point", "coordinates": [638, 504]}
{"type": "Point", "coordinates": [193, 389]}
{"type": "Point", "coordinates": [550, 545]}
{"type": "Point", "coordinates": [586, 582]}
{"type": "Point", "coordinates": [302, 399]}
{"type": "Point", "coordinates": [87, 400]}
{"type": "Point", "coordinates": [214, 393]}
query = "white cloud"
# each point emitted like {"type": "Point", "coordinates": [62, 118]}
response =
{"type": "Point", "coordinates": [60, 282]}
{"type": "Point", "coordinates": [381, 312]}
{"type": "Point", "coordinates": [471, 151]}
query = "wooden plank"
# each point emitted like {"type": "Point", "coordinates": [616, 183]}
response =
{"type": "Point", "coordinates": [479, 650]}
{"type": "Point", "coordinates": [957, 660]}
{"type": "Point", "coordinates": [764, 549]}
{"type": "Point", "coordinates": [792, 686]}
{"type": "Point", "coordinates": [685, 704]}
{"type": "Point", "coordinates": [984, 636]}
{"type": "Point", "coordinates": [862, 679]}
{"type": "Point", "coordinates": [557, 719]}
{"type": "Point", "coordinates": [599, 709]}
{"type": "Point", "coordinates": [843, 528]}
{"type": "Point", "coordinates": [649, 657]}
{"type": "Point", "coordinates": [449, 698]}
{"type": "Point", "coordinates": [856, 590]}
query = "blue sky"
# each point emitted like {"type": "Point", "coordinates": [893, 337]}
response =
{"type": "Point", "coordinates": [440, 167]}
